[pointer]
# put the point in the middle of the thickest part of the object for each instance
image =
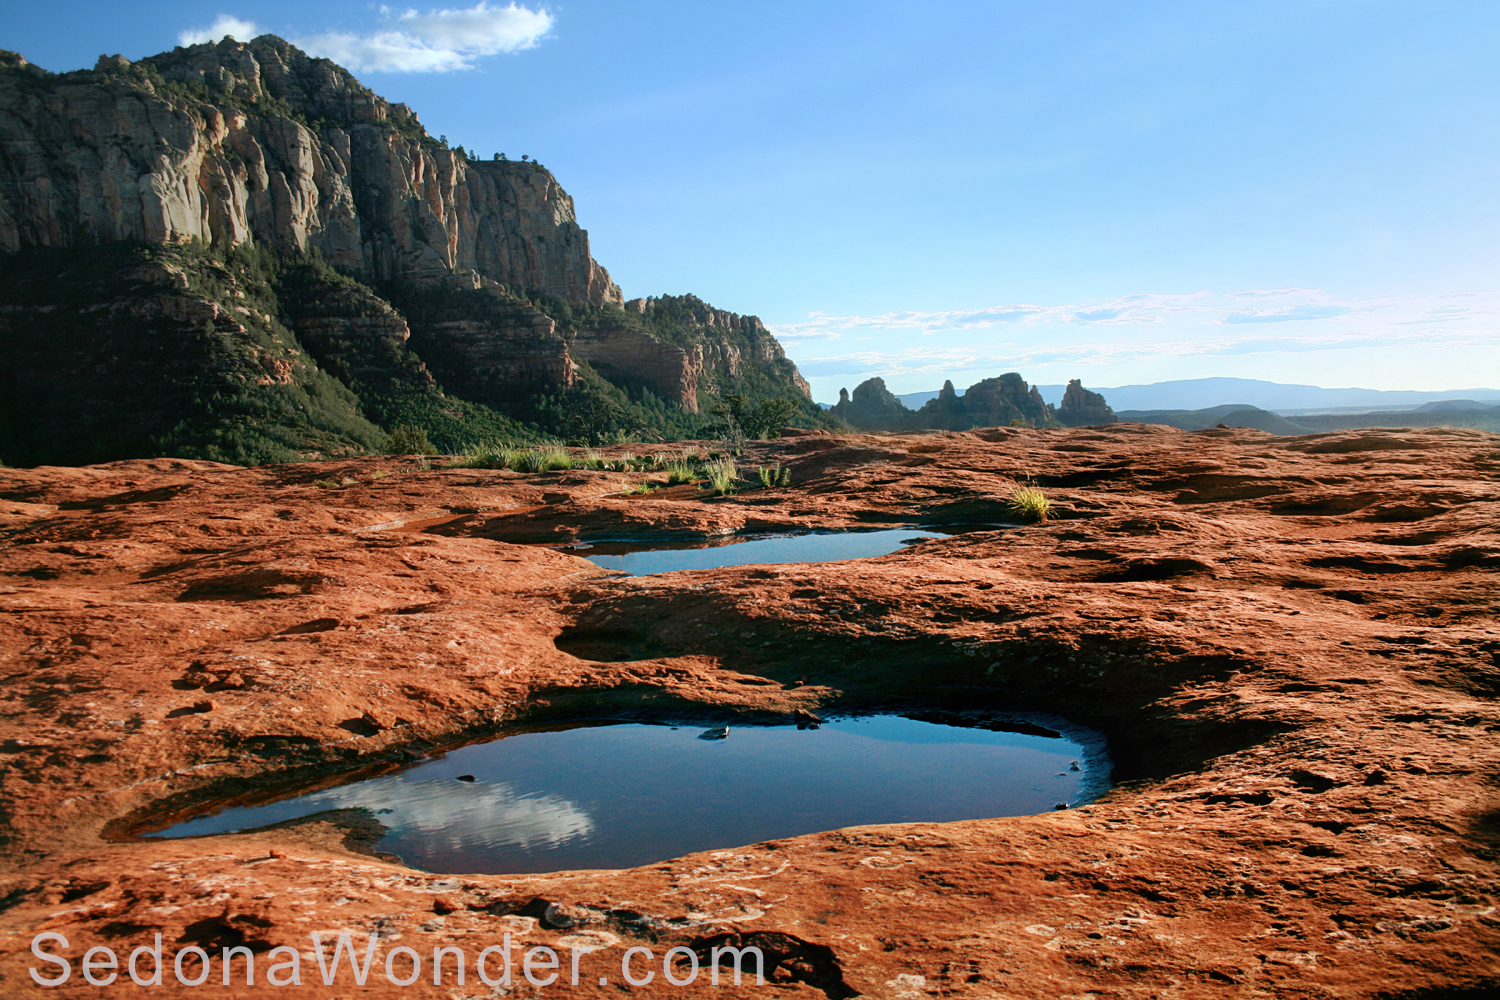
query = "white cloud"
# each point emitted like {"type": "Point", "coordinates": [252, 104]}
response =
{"type": "Point", "coordinates": [481, 29]}
{"type": "Point", "coordinates": [439, 41]}
{"type": "Point", "coordinates": [1151, 336]}
{"type": "Point", "coordinates": [235, 27]}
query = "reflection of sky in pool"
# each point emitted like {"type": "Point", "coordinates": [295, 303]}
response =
{"type": "Point", "coordinates": [643, 558]}
{"type": "Point", "coordinates": [623, 795]}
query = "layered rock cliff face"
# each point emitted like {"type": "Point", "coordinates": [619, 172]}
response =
{"type": "Point", "coordinates": [394, 280]}
{"type": "Point", "coordinates": [684, 346]}
{"type": "Point", "coordinates": [241, 142]}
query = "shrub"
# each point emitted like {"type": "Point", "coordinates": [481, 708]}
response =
{"type": "Point", "coordinates": [721, 475]}
{"type": "Point", "coordinates": [1029, 504]}
{"type": "Point", "coordinates": [408, 440]}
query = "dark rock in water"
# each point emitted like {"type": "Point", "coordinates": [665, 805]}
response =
{"type": "Point", "coordinates": [466, 777]}
{"type": "Point", "coordinates": [1061, 805]}
{"type": "Point", "coordinates": [803, 716]}
{"type": "Point", "coordinates": [1081, 408]}
{"type": "Point", "coordinates": [717, 733]}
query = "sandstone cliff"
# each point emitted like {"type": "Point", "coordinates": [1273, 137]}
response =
{"type": "Point", "coordinates": [258, 142]}
{"type": "Point", "coordinates": [684, 346]}
{"type": "Point", "coordinates": [394, 280]}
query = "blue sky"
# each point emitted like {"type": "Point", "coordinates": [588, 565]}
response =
{"type": "Point", "coordinates": [1118, 192]}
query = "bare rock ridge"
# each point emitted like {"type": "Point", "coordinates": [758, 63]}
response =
{"type": "Point", "coordinates": [258, 142]}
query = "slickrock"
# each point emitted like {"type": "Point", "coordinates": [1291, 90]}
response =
{"type": "Point", "coordinates": [1291, 643]}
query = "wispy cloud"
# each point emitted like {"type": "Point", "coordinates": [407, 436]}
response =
{"type": "Point", "coordinates": [1146, 329]}
{"type": "Point", "coordinates": [237, 28]}
{"type": "Point", "coordinates": [1286, 315]}
{"type": "Point", "coordinates": [439, 41]}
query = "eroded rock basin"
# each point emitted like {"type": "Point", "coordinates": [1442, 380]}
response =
{"type": "Point", "coordinates": [622, 795]}
{"type": "Point", "coordinates": [1290, 643]}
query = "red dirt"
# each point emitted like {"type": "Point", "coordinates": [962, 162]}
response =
{"type": "Point", "coordinates": [1292, 644]}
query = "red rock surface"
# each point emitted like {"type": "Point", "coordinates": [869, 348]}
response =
{"type": "Point", "coordinates": [1292, 644]}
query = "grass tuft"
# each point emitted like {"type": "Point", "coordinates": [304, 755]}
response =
{"type": "Point", "coordinates": [1030, 504]}
{"type": "Point", "coordinates": [721, 473]}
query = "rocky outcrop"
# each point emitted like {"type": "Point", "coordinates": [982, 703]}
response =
{"type": "Point", "coordinates": [994, 402]}
{"type": "Point", "coordinates": [1082, 408]}
{"type": "Point", "coordinates": [999, 402]}
{"type": "Point", "coordinates": [873, 407]}
{"type": "Point", "coordinates": [718, 350]}
{"type": "Point", "coordinates": [259, 143]}
{"type": "Point", "coordinates": [497, 357]}
{"type": "Point", "coordinates": [625, 356]}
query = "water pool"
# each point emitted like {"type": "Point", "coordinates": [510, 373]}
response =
{"type": "Point", "coordinates": [621, 795]}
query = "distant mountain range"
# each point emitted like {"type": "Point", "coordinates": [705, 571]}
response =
{"type": "Point", "coordinates": [1277, 397]}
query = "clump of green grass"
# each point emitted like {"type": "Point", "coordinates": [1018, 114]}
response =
{"type": "Point", "coordinates": [378, 474]}
{"type": "Point", "coordinates": [480, 458]}
{"type": "Point", "coordinates": [1029, 504]}
{"type": "Point", "coordinates": [776, 475]}
{"type": "Point", "coordinates": [540, 459]}
{"type": "Point", "coordinates": [721, 473]}
{"type": "Point", "coordinates": [679, 472]}
{"type": "Point", "coordinates": [691, 455]}
{"type": "Point", "coordinates": [643, 487]}
{"type": "Point", "coordinates": [591, 459]}
{"type": "Point", "coordinates": [555, 458]}
{"type": "Point", "coordinates": [325, 484]}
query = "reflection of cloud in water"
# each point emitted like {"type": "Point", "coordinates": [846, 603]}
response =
{"type": "Point", "coordinates": [462, 814]}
